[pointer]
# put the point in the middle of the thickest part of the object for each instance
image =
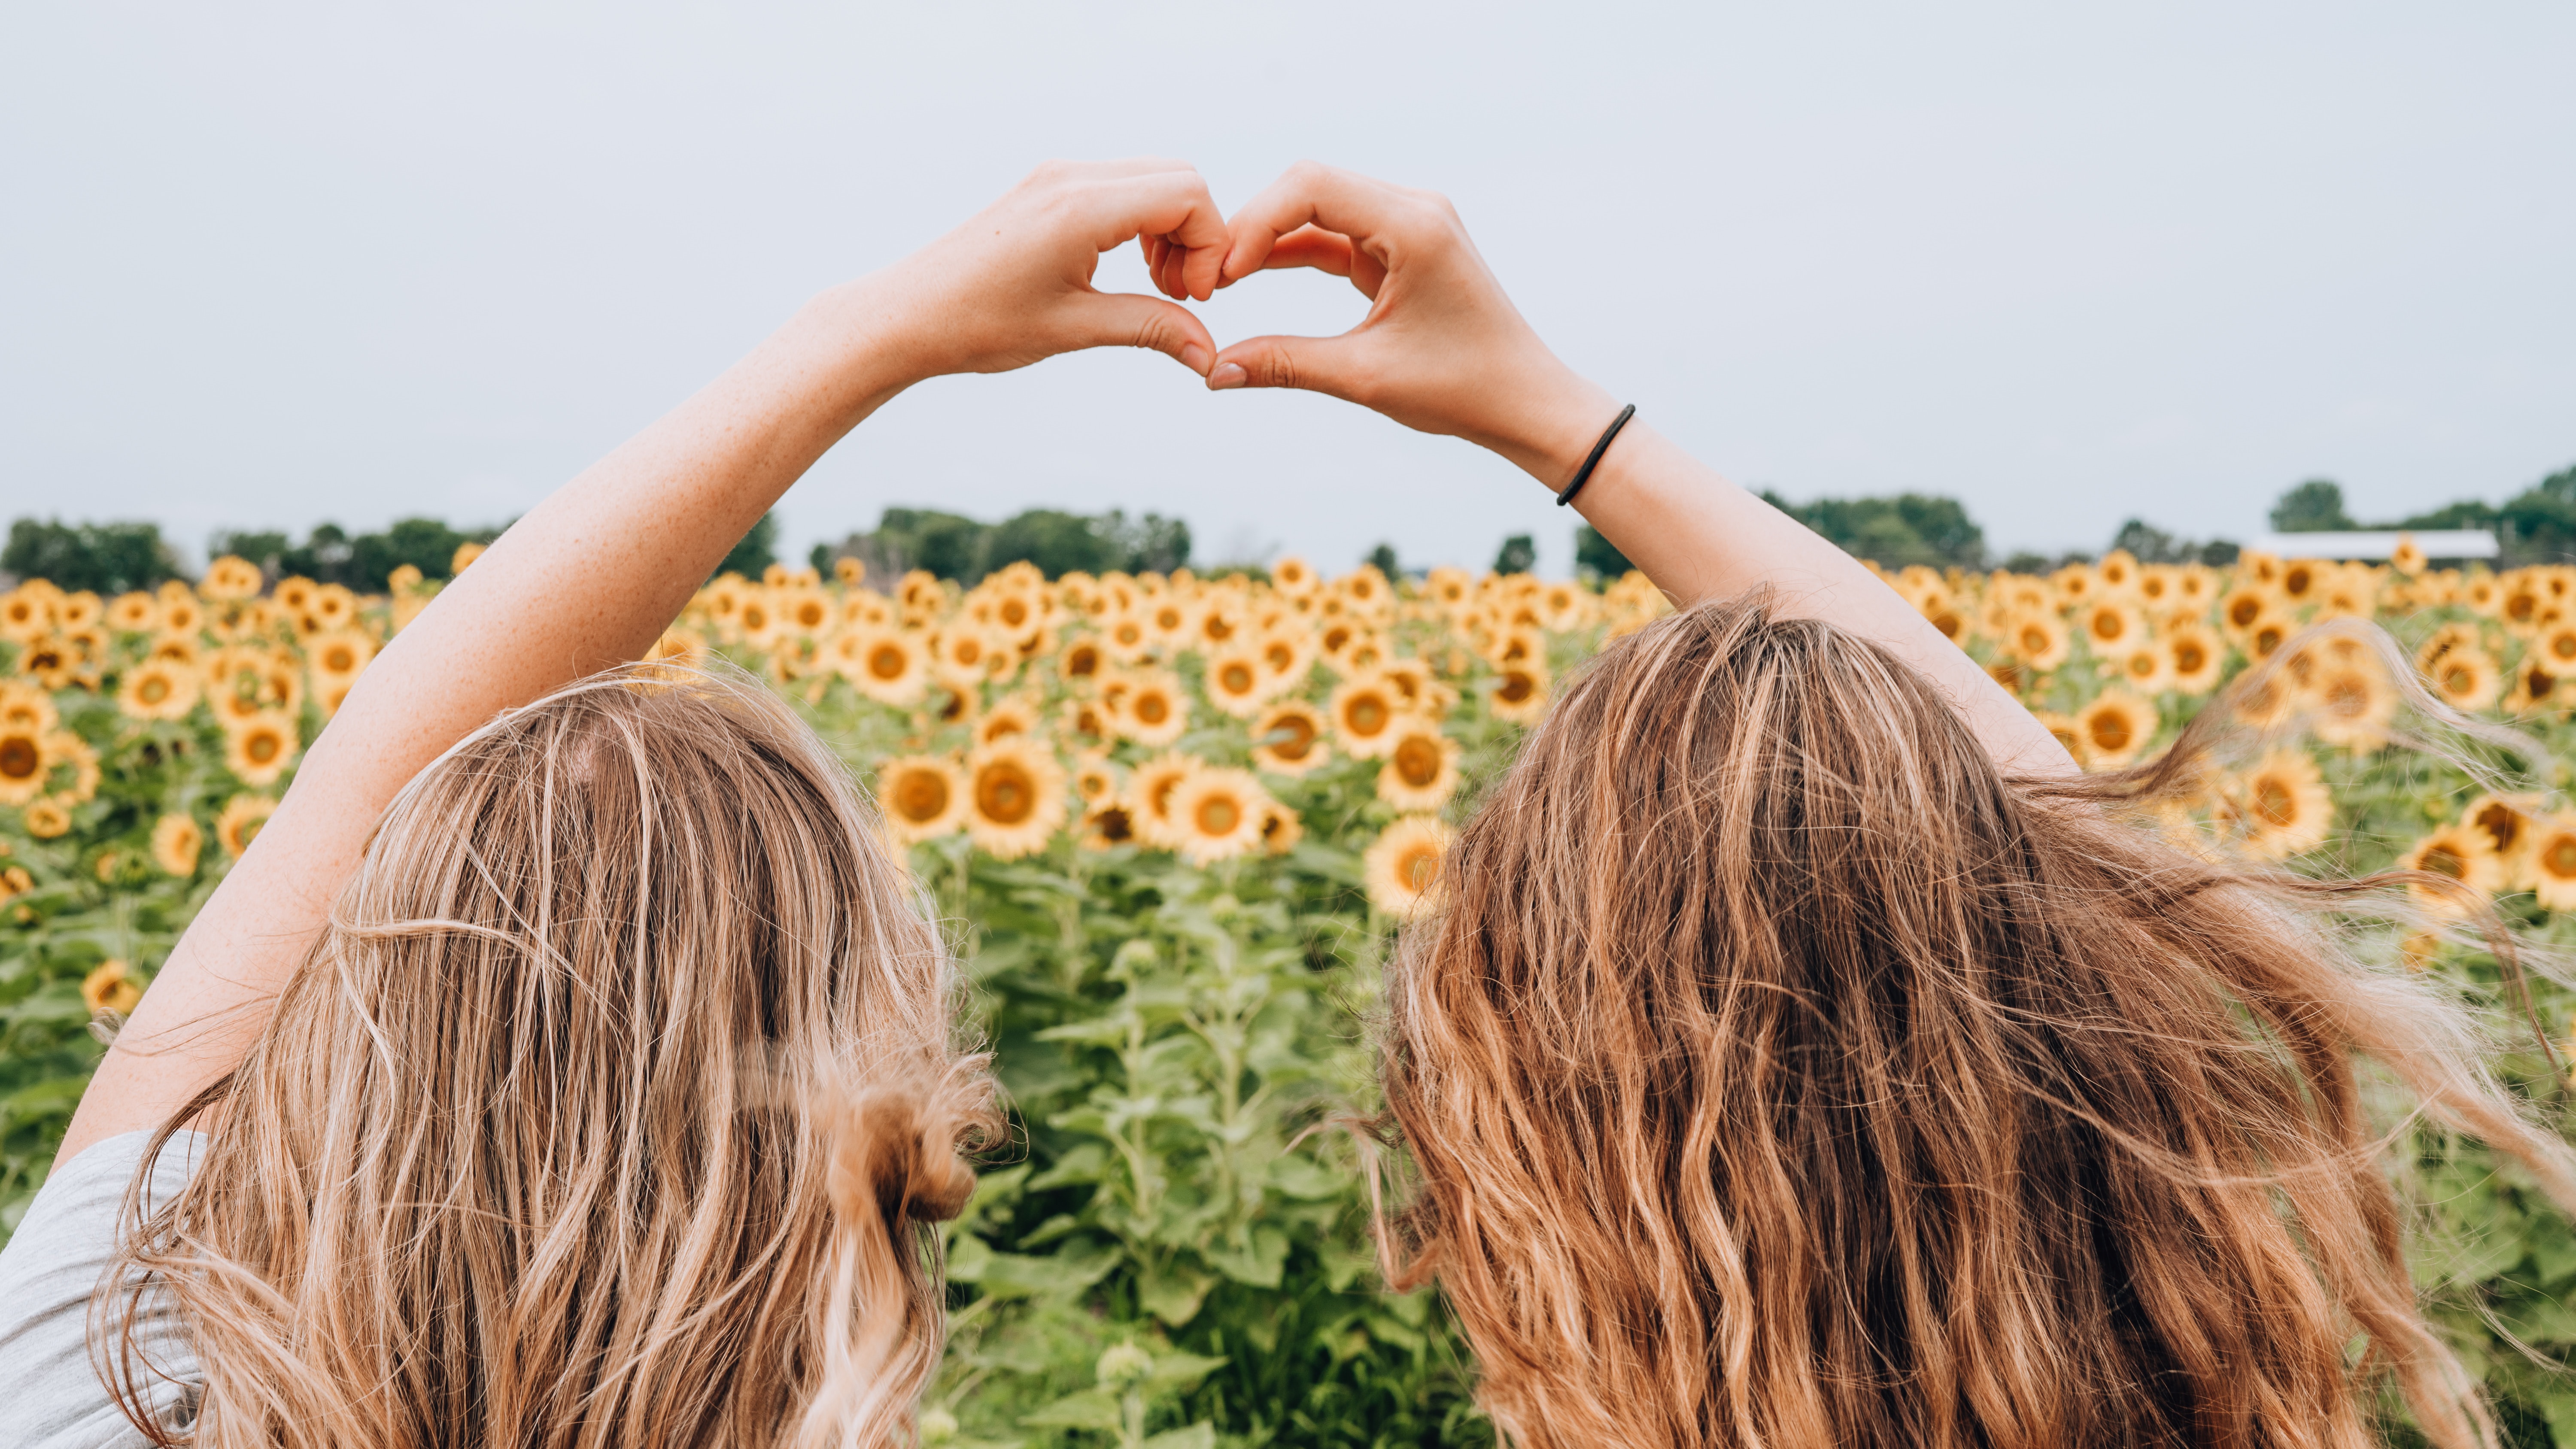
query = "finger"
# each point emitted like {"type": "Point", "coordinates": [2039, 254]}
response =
{"type": "Point", "coordinates": [1079, 171]}
{"type": "Point", "coordinates": [1173, 205]}
{"type": "Point", "coordinates": [1325, 251]}
{"type": "Point", "coordinates": [1337, 201]}
{"type": "Point", "coordinates": [1131, 319]}
{"type": "Point", "coordinates": [1334, 366]}
{"type": "Point", "coordinates": [1158, 251]}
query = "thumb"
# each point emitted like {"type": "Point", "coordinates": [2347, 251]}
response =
{"type": "Point", "coordinates": [1127, 319]}
{"type": "Point", "coordinates": [1328, 365]}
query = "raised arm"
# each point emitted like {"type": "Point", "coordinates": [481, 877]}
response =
{"type": "Point", "coordinates": [592, 575]}
{"type": "Point", "coordinates": [1443, 350]}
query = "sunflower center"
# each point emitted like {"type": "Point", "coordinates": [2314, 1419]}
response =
{"type": "Point", "coordinates": [19, 758]}
{"type": "Point", "coordinates": [1114, 826]}
{"type": "Point", "coordinates": [153, 690]}
{"type": "Point", "coordinates": [1082, 661]}
{"type": "Point", "coordinates": [1015, 612]}
{"type": "Point", "coordinates": [2459, 679]}
{"type": "Point", "coordinates": [1367, 715]}
{"type": "Point", "coordinates": [1279, 657]}
{"type": "Point", "coordinates": [2502, 824]}
{"type": "Point", "coordinates": [1235, 678]}
{"type": "Point", "coordinates": [1219, 815]}
{"type": "Point", "coordinates": [1418, 867]}
{"type": "Point", "coordinates": [2189, 656]}
{"type": "Point", "coordinates": [1301, 736]}
{"type": "Point", "coordinates": [2111, 730]}
{"type": "Point", "coordinates": [886, 661]}
{"type": "Point", "coordinates": [921, 796]}
{"type": "Point", "coordinates": [2443, 860]}
{"type": "Point", "coordinates": [1152, 709]}
{"type": "Point", "coordinates": [2561, 857]}
{"type": "Point", "coordinates": [1006, 794]}
{"type": "Point", "coordinates": [1417, 762]}
{"type": "Point", "coordinates": [261, 748]}
{"type": "Point", "coordinates": [2274, 804]}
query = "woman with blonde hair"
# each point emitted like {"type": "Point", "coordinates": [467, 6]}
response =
{"type": "Point", "coordinates": [1804, 1054]}
{"type": "Point", "coordinates": [566, 1063]}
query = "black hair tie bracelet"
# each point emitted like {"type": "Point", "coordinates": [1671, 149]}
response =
{"type": "Point", "coordinates": [1583, 474]}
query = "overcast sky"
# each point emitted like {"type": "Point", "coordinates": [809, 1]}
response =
{"type": "Point", "coordinates": [263, 266]}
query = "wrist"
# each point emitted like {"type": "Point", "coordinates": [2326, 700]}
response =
{"type": "Point", "coordinates": [1551, 432]}
{"type": "Point", "coordinates": [866, 336]}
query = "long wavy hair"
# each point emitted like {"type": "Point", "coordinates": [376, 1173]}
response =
{"type": "Point", "coordinates": [1780, 1073]}
{"type": "Point", "coordinates": [604, 1111]}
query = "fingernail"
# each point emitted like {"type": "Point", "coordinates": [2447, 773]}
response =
{"type": "Point", "coordinates": [1230, 375]}
{"type": "Point", "coordinates": [1195, 358]}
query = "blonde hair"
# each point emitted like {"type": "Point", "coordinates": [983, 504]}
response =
{"type": "Point", "coordinates": [603, 1111]}
{"type": "Point", "coordinates": [1779, 1073]}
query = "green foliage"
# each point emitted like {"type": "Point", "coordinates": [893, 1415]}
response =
{"type": "Point", "coordinates": [107, 558]}
{"type": "Point", "coordinates": [331, 554]}
{"type": "Point", "coordinates": [755, 551]}
{"type": "Point", "coordinates": [2315, 506]}
{"type": "Point", "coordinates": [953, 546]}
{"type": "Point", "coordinates": [1383, 559]}
{"type": "Point", "coordinates": [1909, 528]}
{"type": "Point", "coordinates": [1518, 555]}
{"type": "Point", "coordinates": [1595, 555]}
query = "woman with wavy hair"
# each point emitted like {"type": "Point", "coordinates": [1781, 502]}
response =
{"type": "Point", "coordinates": [566, 1063]}
{"type": "Point", "coordinates": [1803, 1054]}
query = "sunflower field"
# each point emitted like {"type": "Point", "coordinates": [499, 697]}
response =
{"type": "Point", "coordinates": [1174, 824]}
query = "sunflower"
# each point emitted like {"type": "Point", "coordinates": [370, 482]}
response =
{"type": "Point", "coordinates": [1015, 797]}
{"type": "Point", "coordinates": [157, 690]}
{"type": "Point", "coordinates": [1236, 682]}
{"type": "Point", "coordinates": [2009, 674]}
{"type": "Point", "coordinates": [1288, 738]}
{"type": "Point", "coordinates": [923, 796]}
{"type": "Point", "coordinates": [339, 654]}
{"type": "Point", "coordinates": [2193, 660]}
{"type": "Point", "coordinates": [2141, 667]}
{"type": "Point", "coordinates": [464, 557]}
{"type": "Point", "coordinates": [259, 749]}
{"type": "Point", "coordinates": [230, 578]}
{"type": "Point", "coordinates": [2115, 727]}
{"type": "Point", "coordinates": [2074, 584]}
{"type": "Point", "coordinates": [109, 987]}
{"type": "Point", "coordinates": [2352, 704]}
{"type": "Point", "coordinates": [50, 660]}
{"type": "Point", "coordinates": [1150, 788]}
{"type": "Point", "coordinates": [240, 823]}
{"type": "Point", "coordinates": [23, 763]}
{"type": "Point", "coordinates": [1286, 654]}
{"type": "Point", "coordinates": [63, 748]}
{"type": "Point", "coordinates": [1520, 692]}
{"type": "Point", "coordinates": [2282, 806]}
{"type": "Point", "coordinates": [2242, 610]}
{"type": "Point", "coordinates": [1403, 868]}
{"type": "Point", "coordinates": [2465, 677]}
{"type": "Point", "coordinates": [2483, 593]}
{"type": "Point", "coordinates": [1006, 718]}
{"type": "Point", "coordinates": [2507, 825]}
{"type": "Point", "coordinates": [1293, 575]}
{"type": "Point", "coordinates": [1108, 825]}
{"type": "Point", "coordinates": [48, 820]}
{"type": "Point", "coordinates": [887, 665]}
{"type": "Point", "coordinates": [2553, 861]}
{"type": "Point", "coordinates": [2037, 639]}
{"type": "Point", "coordinates": [1154, 710]}
{"type": "Point", "coordinates": [134, 612]}
{"type": "Point", "coordinates": [334, 607]}
{"type": "Point", "coordinates": [2459, 855]}
{"type": "Point", "coordinates": [2111, 626]}
{"type": "Point", "coordinates": [1082, 659]}
{"type": "Point", "coordinates": [1281, 829]}
{"type": "Point", "coordinates": [1125, 636]}
{"type": "Point", "coordinates": [1217, 813]}
{"type": "Point", "coordinates": [1365, 711]}
{"type": "Point", "coordinates": [1168, 621]}
{"type": "Point", "coordinates": [2302, 579]}
{"type": "Point", "coordinates": [2407, 558]}
{"type": "Point", "coordinates": [175, 843]}
{"type": "Point", "coordinates": [1095, 780]}
{"type": "Point", "coordinates": [1421, 769]}
{"type": "Point", "coordinates": [27, 707]}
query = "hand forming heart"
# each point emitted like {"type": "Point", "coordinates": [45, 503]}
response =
{"type": "Point", "coordinates": [1442, 349]}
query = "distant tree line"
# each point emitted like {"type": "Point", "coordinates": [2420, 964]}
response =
{"type": "Point", "coordinates": [2537, 525]}
{"type": "Point", "coordinates": [953, 546]}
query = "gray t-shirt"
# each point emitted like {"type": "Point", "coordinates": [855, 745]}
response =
{"type": "Point", "coordinates": [47, 1273]}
